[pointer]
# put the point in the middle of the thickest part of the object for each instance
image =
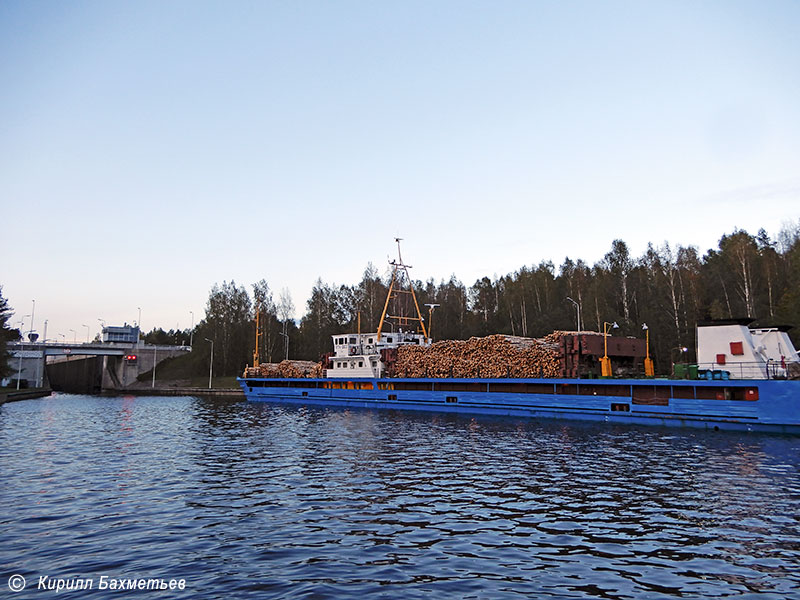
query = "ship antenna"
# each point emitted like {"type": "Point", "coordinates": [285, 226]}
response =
{"type": "Point", "coordinates": [399, 257]}
{"type": "Point", "coordinates": [394, 289]}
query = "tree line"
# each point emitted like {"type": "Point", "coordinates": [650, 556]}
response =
{"type": "Point", "coordinates": [670, 288]}
{"type": "Point", "coordinates": [6, 335]}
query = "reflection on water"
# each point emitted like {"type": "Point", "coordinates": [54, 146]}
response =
{"type": "Point", "coordinates": [272, 501]}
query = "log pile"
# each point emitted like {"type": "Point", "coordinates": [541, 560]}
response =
{"type": "Point", "coordinates": [491, 356]}
{"type": "Point", "coordinates": [793, 369]}
{"type": "Point", "coordinates": [291, 369]}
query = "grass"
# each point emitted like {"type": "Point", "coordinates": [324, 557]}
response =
{"type": "Point", "coordinates": [216, 382]}
{"type": "Point", "coordinates": [187, 368]}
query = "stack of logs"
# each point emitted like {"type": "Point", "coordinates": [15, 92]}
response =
{"type": "Point", "coordinates": [291, 369]}
{"type": "Point", "coordinates": [491, 356]}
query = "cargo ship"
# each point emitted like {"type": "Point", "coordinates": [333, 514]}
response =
{"type": "Point", "coordinates": [745, 379]}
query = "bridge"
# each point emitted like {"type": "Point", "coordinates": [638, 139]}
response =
{"type": "Point", "coordinates": [105, 366]}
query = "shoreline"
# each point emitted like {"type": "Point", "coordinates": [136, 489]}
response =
{"type": "Point", "coordinates": [233, 393]}
{"type": "Point", "coordinates": [178, 391]}
{"type": "Point", "coordinates": [26, 394]}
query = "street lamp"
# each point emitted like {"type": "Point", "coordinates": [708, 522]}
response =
{"type": "Point", "coordinates": [605, 362]}
{"type": "Point", "coordinates": [211, 364]}
{"type": "Point", "coordinates": [22, 327]}
{"type": "Point", "coordinates": [87, 333]}
{"type": "Point", "coordinates": [649, 370]}
{"type": "Point", "coordinates": [22, 341]}
{"type": "Point", "coordinates": [577, 312]}
{"type": "Point", "coordinates": [74, 336]}
{"type": "Point", "coordinates": [191, 331]}
{"type": "Point", "coordinates": [682, 350]}
{"type": "Point", "coordinates": [33, 312]}
{"type": "Point", "coordinates": [139, 325]}
{"type": "Point", "coordinates": [430, 319]}
{"type": "Point", "coordinates": [286, 340]}
{"type": "Point", "coordinates": [155, 361]}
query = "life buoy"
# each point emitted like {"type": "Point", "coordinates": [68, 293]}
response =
{"type": "Point", "coordinates": [352, 351]}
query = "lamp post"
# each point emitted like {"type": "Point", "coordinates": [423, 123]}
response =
{"type": "Point", "coordinates": [155, 354]}
{"type": "Point", "coordinates": [211, 364]}
{"type": "Point", "coordinates": [430, 319]}
{"type": "Point", "coordinates": [605, 362]}
{"type": "Point", "coordinates": [577, 312]}
{"type": "Point", "coordinates": [19, 370]}
{"type": "Point", "coordinates": [33, 312]}
{"type": "Point", "coordinates": [45, 332]}
{"type": "Point", "coordinates": [40, 363]}
{"type": "Point", "coordinates": [191, 331]}
{"type": "Point", "coordinates": [74, 336]}
{"type": "Point", "coordinates": [286, 340]}
{"type": "Point", "coordinates": [681, 351]}
{"type": "Point", "coordinates": [87, 333]}
{"type": "Point", "coordinates": [22, 341]}
{"type": "Point", "coordinates": [649, 370]}
{"type": "Point", "coordinates": [22, 327]}
{"type": "Point", "coordinates": [139, 325]}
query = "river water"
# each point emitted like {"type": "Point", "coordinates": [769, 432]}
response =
{"type": "Point", "coordinates": [256, 500]}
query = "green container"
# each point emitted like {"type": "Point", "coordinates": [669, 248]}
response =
{"type": "Point", "coordinates": [680, 371]}
{"type": "Point", "coordinates": [692, 371]}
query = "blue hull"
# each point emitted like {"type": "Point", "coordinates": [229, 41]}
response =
{"type": "Point", "coordinates": [745, 405]}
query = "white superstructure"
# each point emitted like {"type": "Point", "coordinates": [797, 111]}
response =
{"type": "Point", "coordinates": [764, 353]}
{"type": "Point", "coordinates": [359, 354]}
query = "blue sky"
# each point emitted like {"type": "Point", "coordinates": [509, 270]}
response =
{"type": "Point", "coordinates": [149, 150]}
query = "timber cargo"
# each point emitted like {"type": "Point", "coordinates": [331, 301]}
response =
{"type": "Point", "coordinates": [746, 379]}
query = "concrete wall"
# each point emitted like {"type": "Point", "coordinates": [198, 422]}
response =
{"type": "Point", "coordinates": [76, 374]}
{"type": "Point", "coordinates": [119, 374]}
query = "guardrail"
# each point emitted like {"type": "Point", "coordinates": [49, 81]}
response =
{"type": "Point", "coordinates": [747, 370]}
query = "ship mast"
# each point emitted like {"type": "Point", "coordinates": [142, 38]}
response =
{"type": "Point", "coordinates": [395, 289]}
{"type": "Point", "coordinates": [258, 334]}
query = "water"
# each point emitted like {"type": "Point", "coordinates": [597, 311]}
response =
{"type": "Point", "coordinates": [266, 501]}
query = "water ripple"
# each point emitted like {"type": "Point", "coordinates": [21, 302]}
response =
{"type": "Point", "coordinates": [255, 500]}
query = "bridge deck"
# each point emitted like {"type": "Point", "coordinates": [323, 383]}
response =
{"type": "Point", "coordinates": [108, 349]}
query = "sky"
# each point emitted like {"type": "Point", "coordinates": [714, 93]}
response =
{"type": "Point", "coordinates": [149, 150]}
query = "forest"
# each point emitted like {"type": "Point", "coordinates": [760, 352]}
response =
{"type": "Point", "coordinates": [670, 288]}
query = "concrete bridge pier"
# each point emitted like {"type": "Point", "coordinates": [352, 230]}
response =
{"type": "Point", "coordinates": [118, 373]}
{"type": "Point", "coordinates": [121, 372]}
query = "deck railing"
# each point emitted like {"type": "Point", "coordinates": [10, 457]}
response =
{"type": "Point", "coordinates": [748, 370]}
